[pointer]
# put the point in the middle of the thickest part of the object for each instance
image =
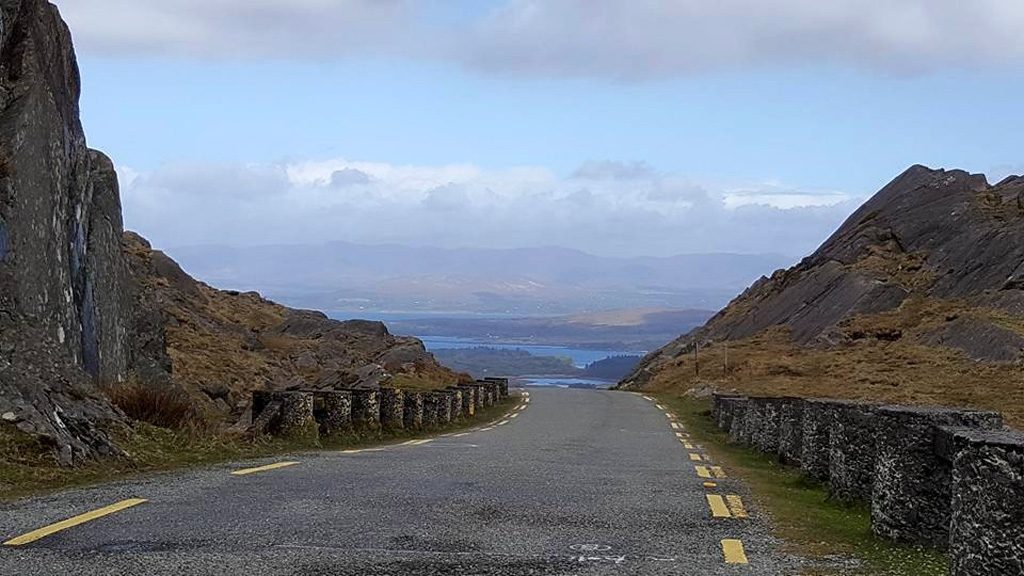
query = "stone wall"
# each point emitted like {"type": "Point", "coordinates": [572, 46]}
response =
{"type": "Point", "coordinates": [365, 409]}
{"type": "Point", "coordinates": [468, 400]}
{"type": "Point", "coordinates": [913, 484]}
{"type": "Point", "coordinates": [933, 476]}
{"type": "Point", "coordinates": [791, 431]}
{"type": "Point", "coordinates": [412, 416]}
{"type": "Point", "coordinates": [852, 451]}
{"type": "Point", "coordinates": [987, 516]}
{"type": "Point", "coordinates": [392, 409]}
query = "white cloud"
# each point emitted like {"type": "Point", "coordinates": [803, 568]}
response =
{"type": "Point", "coordinates": [464, 205]}
{"type": "Point", "coordinates": [623, 39]}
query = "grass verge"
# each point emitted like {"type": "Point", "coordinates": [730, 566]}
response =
{"type": "Point", "coordinates": [802, 515]}
{"type": "Point", "coordinates": [28, 468]}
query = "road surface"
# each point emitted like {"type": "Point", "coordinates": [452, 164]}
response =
{"type": "Point", "coordinates": [577, 482]}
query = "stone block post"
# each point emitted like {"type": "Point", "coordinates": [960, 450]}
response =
{"type": "Point", "coordinates": [764, 416]}
{"type": "Point", "coordinates": [987, 516]}
{"type": "Point", "coordinates": [468, 400]}
{"type": "Point", "coordinates": [365, 408]}
{"type": "Point", "coordinates": [392, 409]}
{"type": "Point", "coordinates": [333, 411]}
{"type": "Point", "coordinates": [912, 495]}
{"type": "Point", "coordinates": [296, 419]}
{"type": "Point", "coordinates": [852, 452]}
{"type": "Point", "coordinates": [816, 442]}
{"type": "Point", "coordinates": [431, 410]}
{"type": "Point", "coordinates": [791, 431]}
{"type": "Point", "coordinates": [412, 412]}
{"type": "Point", "coordinates": [727, 411]}
{"type": "Point", "coordinates": [458, 412]}
{"type": "Point", "coordinates": [738, 423]}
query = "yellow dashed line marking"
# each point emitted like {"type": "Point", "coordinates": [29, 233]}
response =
{"type": "Point", "coordinates": [659, 406]}
{"type": "Point", "coordinates": [694, 457]}
{"type": "Point", "coordinates": [513, 416]}
{"type": "Point", "coordinates": [258, 469]}
{"type": "Point", "coordinates": [702, 471]}
{"type": "Point", "coordinates": [361, 450]}
{"type": "Point", "coordinates": [677, 426]}
{"type": "Point", "coordinates": [736, 506]}
{"type": "Point", "coordinates": [687, 445]}
{"type": "Point", "coordinates": [460, 435]}
{"type": "Point", "coordinates": [711, 485]}
{"type": "Point", "coordinates": [422, 442]}
{"type": "Point", "coordinates": [72, 522]}
{"type": "Point", "coordinates": [718, 472]}
{"type": "Point", "coordinates": [718, 507]}
{"type": "Point", "coordinates": [733, 552]}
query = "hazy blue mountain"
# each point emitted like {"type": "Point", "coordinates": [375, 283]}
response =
{"type": "Point", "coordinates": [393, 278]}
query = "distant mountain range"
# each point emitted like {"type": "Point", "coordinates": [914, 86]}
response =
{"type": "Point", "coordinates": [354, 278]}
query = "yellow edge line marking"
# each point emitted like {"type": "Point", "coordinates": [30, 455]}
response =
{"type": "Point", "coordinates": [648, 398]}
{"type": "Point", "coordinates": [247, 471]}
{"type": "Point", "coordinates": [486, 429]}
{"type": "Point", "coordinates": [702, 471]}
{"type": "Point", "coordinates": [677, 426]}
{"type": "Point", "coordinates": [718, 472]}
{"type": "Point", "coordinates": [513, 416]}
{"type": "Point", "coordinates": [718, 507]}
{"type": "Point", "coordinates": [421, 442]}
{"type": "Point", "coordinates": [659, 406]}
{"type": "Point", "coordinates": [460, 435]}
{"type": "Point", "coordinates": [694, 457]}
{"type": "Point", "coordinates": [687, 445]}
{"type": "Point", "coordinates": [733, 552]}
{"type": "Point", "coordinates": [711, 485]}
{"type": "Point", "coordinates": [736, 506]}
{"type": "Point", "coordinates": [72, 522]}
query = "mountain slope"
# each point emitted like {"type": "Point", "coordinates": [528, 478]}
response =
{"type": "Point", "coordinates": [87, 311]}
{"type": "Point", "coordinates": [917, 296]}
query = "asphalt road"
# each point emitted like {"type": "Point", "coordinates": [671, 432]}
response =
{"type": "Point", "coordinates": [578, 482]}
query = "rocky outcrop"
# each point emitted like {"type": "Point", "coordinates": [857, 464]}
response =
{"type": "Point", "coordinates": [936, 258]}
{"type": "Point", "coordinates": [84, 305]}
{"type": "Point", "coordinates": [64, 313]}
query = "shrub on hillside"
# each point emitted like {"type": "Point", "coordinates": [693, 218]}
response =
{"type": "Point", "coordinates": [160, 406]}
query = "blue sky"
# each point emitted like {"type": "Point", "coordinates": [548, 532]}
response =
{"type": "Point", "coordinates": [752, 133]}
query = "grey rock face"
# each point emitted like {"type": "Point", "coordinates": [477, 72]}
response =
{"type": "Point", "coordinates": [64, 309]}
{"type": "Point", "coordinates": [942, 234]}
{"type": "Point", "coordinates": [987, 519]}
{"type": "Point", "coordinates": [913, 484]}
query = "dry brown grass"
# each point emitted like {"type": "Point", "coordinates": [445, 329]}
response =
{"type": "Point", "coordinates": [869, 368]}
{"type": "Point", "coordinates": [164, 407]}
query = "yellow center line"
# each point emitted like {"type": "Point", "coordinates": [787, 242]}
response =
{"type": "Point", "coordinates": [702, 471]}
{"type": "Point", "coordinates": [718, 507]}
{"type": "Point", "coordinates": [736, 506]}
{"type": "Point", "coordinates": [247, 471]}
{"type": "Point", "coordinates": [718, 472]}
{"type": "Point", "coordinates": [733, 552]}
{"type": "Point", "coordinates": [694, 457]}
{"type": "Point", "coordinates": [72, 522]}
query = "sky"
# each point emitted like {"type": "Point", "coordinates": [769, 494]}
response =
{"type": "Point", "coordinates": [618, 127]}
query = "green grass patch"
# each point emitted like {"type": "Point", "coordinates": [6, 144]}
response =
{"type": "Point", "coordinates": [801, 513]}
{"type": "Point", "coordinates": [28, 467]}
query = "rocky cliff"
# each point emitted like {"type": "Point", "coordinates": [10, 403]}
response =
{"type": "Point", "coordinates": [928, 273]}
{"type": "Point", "coordinates": [84, 307]}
